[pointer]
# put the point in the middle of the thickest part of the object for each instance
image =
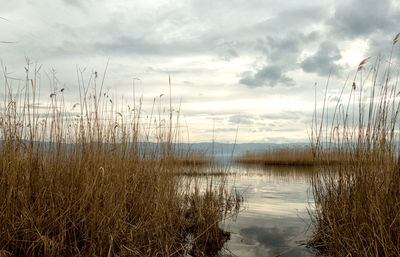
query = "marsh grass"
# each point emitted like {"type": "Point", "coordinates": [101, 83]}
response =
{"type": "Point", "coordinates": [290, 156]}
{"type": "Point", "coordinates": [279, 156]}
{"type": "Point", "coordinates": [357, 205]}
{"type": "Point", "coordinates": [88, 184]}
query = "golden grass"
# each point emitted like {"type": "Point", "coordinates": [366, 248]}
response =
{"type": "Point", "coordinates": [90, 185]}
{"type": "Point", "coordinates": [279, 156]}
{"type": "Point", "coordinates": [290, 156]}
{"type": "Point", "coordinates": [358, 204]}
{"type": "Point", "coordinates": [192, 158]}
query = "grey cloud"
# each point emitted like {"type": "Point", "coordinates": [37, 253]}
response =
{"type": "Point", "coordinates": [228, 54]}
{"type": "Point", "coordinates": [241, 119]}
{"type": "Point", "coordinates": [66, 30]}
{"type": "Point", "coordinates": [323, 61]}
{"type": "Point", "coordinates": [283, 52]}
{"type": "Point", "coordinates": [380, 46]}
{"type": "Point", "coordinates": [292, 19]}
{"type": "Point", "coordinates": [227, 50]}
{"type": "Point", "coordinates": [285, 49]}
{"type": "Point", "coordinates": [276, 48]}
{"type": "Point", "coordinates": [132, 45]}
{"type": "Point", "coordinates": [363, 17]}
{"type": "Point", "coordinates": [129, 45]}
{"type": "Point", "coordinates": [269, 75]}
{"type": "Point", "coordinates": [76, 3]}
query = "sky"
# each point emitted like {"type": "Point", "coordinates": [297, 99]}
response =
{"type": "Point", "coordinates": [244, 70]}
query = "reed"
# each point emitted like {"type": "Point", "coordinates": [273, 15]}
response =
{"type": "Point", "coordinates": [86, 181]}
{"type": "Point", "coordinates": [290, 156]}
{"type": "Point", "coordinates": [279, 156]}
{"type": "Point", "coordinates": [357, 205]}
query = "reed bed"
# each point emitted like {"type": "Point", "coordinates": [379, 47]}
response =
{"type": "Point", "coordinates": [357, 205]}
{"type": "Point", "coordinates": [290, 156]}
{"type": "Point", "coordinates": [191, 158]}
{"type": "Point", "coordinates": [91, 184]}
{"type": "Point", "coordinates": [279, 156]}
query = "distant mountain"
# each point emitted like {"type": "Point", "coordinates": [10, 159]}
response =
{"type": "Point", "coordinates": [216, 149]}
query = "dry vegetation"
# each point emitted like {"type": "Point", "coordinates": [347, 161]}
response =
{"type": "Point", "coordinates": [291, 156]}
{"type": "Point", "coordinates": [86, 184]}
{"type": "Point", "coordinates": [358, 204]}
{"type": "Point", "coordinates": [279, 156]}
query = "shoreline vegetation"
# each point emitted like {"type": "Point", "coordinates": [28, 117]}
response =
{"type": "Point", "coordinates": [284, 156]}
{"type": "Point", "coordinates": [357, 205]}
{"type": "Point", "coordinates": [83, 185]}
{"type": "Point", "coordinates": [290, 156]}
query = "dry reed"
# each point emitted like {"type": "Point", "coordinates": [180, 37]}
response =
{"type": "Point", "coordinates": [358, 204]}
{"type": "Point", "coordinates": [90, 184]}
{"type": "Point", "coordinates": [290, 156]}
{"type": "Point", "coordinates": [279, 156]}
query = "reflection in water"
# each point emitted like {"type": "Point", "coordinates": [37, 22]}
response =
{"type": "Point", "coordinates": [273, 238]}
{"type": "Point", "coordinates": [275, 216]}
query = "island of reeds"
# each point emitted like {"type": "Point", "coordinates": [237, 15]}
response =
{"type": "Point", "coordinates": [291, 156]}
{"type": "Point", "coordinates": [279, 156]}
{"type": "Point", "coordinates": [357, 203]}
{"type": "Point", "coordinates": [86, 181]}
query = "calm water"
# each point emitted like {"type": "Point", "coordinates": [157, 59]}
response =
{"type": "Point", "coordinates": [274, 217]}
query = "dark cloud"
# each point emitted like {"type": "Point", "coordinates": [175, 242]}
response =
{"type": "Point", "coordinates": [269, 75]}
{"type": "Point", "coordinates": [323, 61]}
{"type": "Point", "coordinates": [281, 53]}
{"type": "Point", "coordinates": [285, 49]}
{"type": "Point", "coordinates": [363, 17]}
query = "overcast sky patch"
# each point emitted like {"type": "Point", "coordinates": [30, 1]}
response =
{"type": "Point", "coordinates": [251, 64]}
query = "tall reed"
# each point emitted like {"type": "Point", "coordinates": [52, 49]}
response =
{"type": "Point", "coordinates": [358, 204]}
{"type": "Point", "coordinates": [86, 181]}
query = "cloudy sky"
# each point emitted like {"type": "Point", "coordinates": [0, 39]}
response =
{"type": "Point", "coordinates": [245, 65]}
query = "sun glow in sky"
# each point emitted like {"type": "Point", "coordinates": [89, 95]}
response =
{"type": "Point", "coordinates": [246, 66]}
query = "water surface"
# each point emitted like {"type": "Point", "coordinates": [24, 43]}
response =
{"type": "Point", "coordinates": [274, 217]}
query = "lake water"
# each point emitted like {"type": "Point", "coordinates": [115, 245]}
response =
{"type": "Point", "coordinates": [274, 216]}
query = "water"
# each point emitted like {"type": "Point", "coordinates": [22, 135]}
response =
{"type": "Point", "coordinates": [274, 217]}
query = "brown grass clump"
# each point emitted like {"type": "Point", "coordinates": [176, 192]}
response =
{"type": "Point", "coordinates": [88, 184]}
{"type": "Point", "coordinates": [358, 204]}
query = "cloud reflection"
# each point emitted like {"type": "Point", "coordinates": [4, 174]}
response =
{"type": "Point", "coordinates": [278, 241]}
